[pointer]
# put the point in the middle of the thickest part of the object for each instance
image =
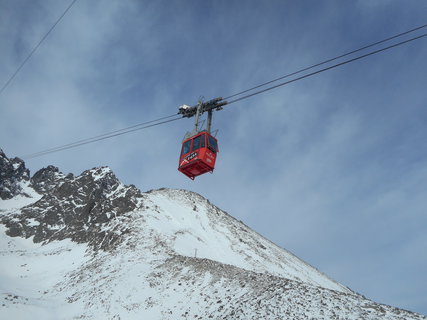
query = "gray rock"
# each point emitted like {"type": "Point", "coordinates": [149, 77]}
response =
{"type": "Point", "coordinates": [76, 208]}
{"type": "Point", "coordinates": [46, 179]}
{"type": "Point", "coordinates": [12, 173]}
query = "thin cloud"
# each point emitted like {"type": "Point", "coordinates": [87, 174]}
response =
{"type": "Point", "coordinates": [331, 167]}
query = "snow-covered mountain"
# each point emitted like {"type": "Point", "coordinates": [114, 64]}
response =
{"type": "Point", "coordinates": [89, 247]}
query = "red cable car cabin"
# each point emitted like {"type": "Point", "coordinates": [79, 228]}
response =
{"type": "Point", "coordinates": [198, 155]}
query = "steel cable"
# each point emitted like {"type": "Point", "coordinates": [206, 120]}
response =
{"type": "Point", "coordinates": [326, 61]}
{"type": "Point", "coordinates": [328, 68]}
{"type": "Point", "coordinates": [35, 48]}
{"type": "Point", "coordinates": [103, 136]}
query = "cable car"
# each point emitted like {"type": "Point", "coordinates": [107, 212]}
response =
{"type": "Point", "coordinates": [199, 147]}
{"type": "Point", "coordinates": [198, 154]}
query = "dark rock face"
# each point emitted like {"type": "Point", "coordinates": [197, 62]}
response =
{"type": "Point", "coordinates": [46, 179]}
{"type": "Point", "coordinates": [78, 208]}
{"type": "Point", "coordinates": [12, 174]}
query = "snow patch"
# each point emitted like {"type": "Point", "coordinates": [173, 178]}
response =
{"type": "Point", "coordinates": [99, 173]}
{"type": "Point", "coordinates": [25, 198]}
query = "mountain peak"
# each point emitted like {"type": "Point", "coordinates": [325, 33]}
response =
{"type": "Point", "coordinates": [46, 179]}
{"type": "Point", "coordinates": [98, 173]}
{"type": "Point", "coordinates": [13, 174]}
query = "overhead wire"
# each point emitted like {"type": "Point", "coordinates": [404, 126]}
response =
{"type": "Point", "coordinates": [328, 60]}
{"type": "Point", "coordinates": [327, 68]}
{"type": "Point", "coordinates": [98, 136]}
{"type": "Point", "coordinates": [36, 47]}
{"type": "Point", "coordinates": [104, 136]}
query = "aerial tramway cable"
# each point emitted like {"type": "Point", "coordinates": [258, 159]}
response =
{"type": "Point", "coordinates": [327, 61]}
{"type": "Point", "coordinates": [327, 68]}
{"type": "Point", "coordinates": [36, 47]}
{"type": "Point", "coordinates": [104, 136]}
{"type": "Point", "coordinates": [218, 103]}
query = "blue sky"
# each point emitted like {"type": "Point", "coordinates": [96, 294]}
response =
{"type": "Point", "coordinates": [332, 167]}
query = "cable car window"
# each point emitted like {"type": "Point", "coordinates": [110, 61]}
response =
{"type": "Point", "coordinates": [196, 143]}
{"type": "Point", "coordinates": [186, 147]}
{"type": "Point", "coordinates": [212, 144]}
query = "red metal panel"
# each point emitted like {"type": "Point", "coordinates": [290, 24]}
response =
{"type": "Point", "coordinates": [195, 168]}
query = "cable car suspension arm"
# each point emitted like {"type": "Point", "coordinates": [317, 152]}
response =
{"type": "Point", "coordinates": [200, 108]}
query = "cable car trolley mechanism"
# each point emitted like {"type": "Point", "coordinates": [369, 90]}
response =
{"type": "Point", "coordinates": [199, 147]}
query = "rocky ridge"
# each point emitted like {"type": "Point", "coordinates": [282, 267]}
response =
{"type": "Point", "coordinates": [12, 175]}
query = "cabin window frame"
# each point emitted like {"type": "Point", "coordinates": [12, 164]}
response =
{"type": "Point", "coordinates": [198, 140]}
{"type": "Point", "coordinates": [212, 144]}
{"type": "Point", "coordinates": [188, 143]}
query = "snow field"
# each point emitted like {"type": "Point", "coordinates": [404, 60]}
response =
{"type": "Point", "coordinates": [29, 272]}
{"type": "Point", "coordinates": [189, 222]}
{"type": "Point", "coordinates": [20, 200]}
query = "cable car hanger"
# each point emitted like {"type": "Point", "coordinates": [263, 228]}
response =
{"type": "Point", "coordinates": [201, 107]}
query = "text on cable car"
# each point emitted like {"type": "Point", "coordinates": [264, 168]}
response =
{"type": "Point", "coordinates": [191, 156]}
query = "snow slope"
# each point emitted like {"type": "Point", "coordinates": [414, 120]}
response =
{"type": "Point", "coordinates": [29, 273]}
{"type": "Point", "coordinates": [27, 197]}
{"type": "Point", "coordinates": [174, 256]}
{"type": "Point", "coordinates": [187, 222]}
